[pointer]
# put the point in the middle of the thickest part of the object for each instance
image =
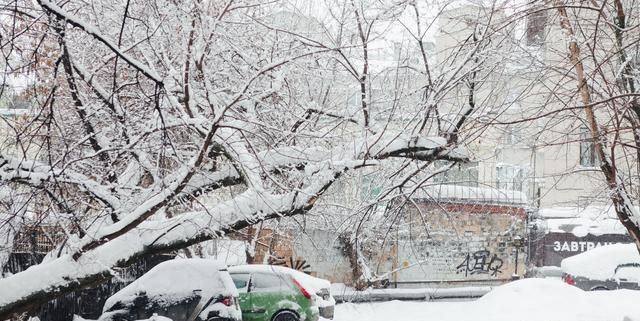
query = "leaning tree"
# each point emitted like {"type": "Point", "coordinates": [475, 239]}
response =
{"type": "Point", "coordinates": [156, 125]}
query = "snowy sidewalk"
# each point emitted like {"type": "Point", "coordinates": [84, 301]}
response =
{"type": "Point", "coordinates": [525, 300]}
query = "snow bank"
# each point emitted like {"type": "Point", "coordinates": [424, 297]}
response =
{"type": "Point", "coordinates": [523, 300]}
{"type": "Point", "coordinates": [601, 262]}
{"type": "Point", "coordinates": [546, 299]}
{"type": "Point", "coordinates": [543, 290]}
{"type": "Point", "coordinates": [176, 279]}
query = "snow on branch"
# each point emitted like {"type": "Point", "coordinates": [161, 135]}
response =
{"type": "Point", "coordinates": [77, 22]}
{"type": "Point", "coordinates": [67, 273]}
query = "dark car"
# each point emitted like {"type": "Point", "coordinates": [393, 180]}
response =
{"type": "Point", "coordinates": [608, 267]}
{"type": "Point", "coordinates": [181, 290]}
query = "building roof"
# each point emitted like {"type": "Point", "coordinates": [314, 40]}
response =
{"type": "Point", "coordinates": [466, 194]}
{"type": "Point", "coordinates": [595, 220]}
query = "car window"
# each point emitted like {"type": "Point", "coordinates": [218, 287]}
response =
{"type": "Point", "coordinates": [241, 281]}
{"type": "Point", "coordinates": [264, 282]}
{"type": "Point", "coordinates": [628, 272]}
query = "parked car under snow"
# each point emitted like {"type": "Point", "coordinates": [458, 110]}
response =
{"type": "Point", "coordinates": [607, 267]}
{"type": "Point", "coordinates": [180, 290]}
{"type": "Point", "coordinates": [275, 293]}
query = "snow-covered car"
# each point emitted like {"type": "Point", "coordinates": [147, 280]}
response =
{"type": "Point", "coordinates": [181, 290]}
{"type": "Point", "coordinates": [607, 267]}
{"type": "Point", "coordinates": [249, 277]}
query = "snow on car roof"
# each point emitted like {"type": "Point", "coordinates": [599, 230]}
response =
{"type": "Point", "coordinates": [308, 281]}
{"type": "Point", "coordinates": [601, 262]}
{"type": "Point", "coordinates": [178, 278]}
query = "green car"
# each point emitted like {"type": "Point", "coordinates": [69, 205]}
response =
{"type": "Point", "coordinates": [273, 293]}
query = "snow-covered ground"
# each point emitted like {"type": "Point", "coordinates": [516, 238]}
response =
{"type": "Point", "coordinates": [524, 300]}
{"type": "Point", "coordinates": [347, 294]}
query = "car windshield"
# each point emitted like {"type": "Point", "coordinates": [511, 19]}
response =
{"type": "Point", "coordinates": [628, 272]}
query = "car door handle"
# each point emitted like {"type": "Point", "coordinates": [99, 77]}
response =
{"type": "Point", "coordinates": [259, 310]}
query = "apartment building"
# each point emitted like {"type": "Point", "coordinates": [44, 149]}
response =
{"type": "Point", "coordinates": [550, 159]}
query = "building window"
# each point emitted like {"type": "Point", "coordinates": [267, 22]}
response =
{"type": "Point", "coordinates": [511, 136]}
{"type": "Point", "coordinates": [587, 148]}
{"type": "Point", "coordinates": [463, 174]}
{"type": "Point", "coordinates": [536, 21]}
{"type": "Point", "coordinates": [510, 177]}
{"type": "Point", "coordinates": [370, 186]}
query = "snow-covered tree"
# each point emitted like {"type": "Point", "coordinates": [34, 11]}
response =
{"type": "Point", "coordinates": [590, 79]}
{"type": "Point", "coordinates": [156, 125]}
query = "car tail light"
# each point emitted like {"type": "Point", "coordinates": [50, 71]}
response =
{"type": "Point", "coordinates": [568, 279]}
{"type": "Point", "coordinates": [302, 289]}
{"type": "Point", "coordinates": [228, 301]}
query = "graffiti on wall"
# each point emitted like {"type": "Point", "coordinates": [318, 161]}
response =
{"type": "Point", "coordinates": [480, 262]}
{"type": "Point", "coordinates": [299, 264]}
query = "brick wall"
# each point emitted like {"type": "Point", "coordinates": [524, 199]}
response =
{"type": "Point", "coordinates": [438, 242]}
{"type": "Point", "coordinates": [461, 242]}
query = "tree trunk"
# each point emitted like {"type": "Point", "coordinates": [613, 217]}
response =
{"type": "Point", "coordinates": [349, 248]}
{"type": "Point", "coordinates": [622, 202]}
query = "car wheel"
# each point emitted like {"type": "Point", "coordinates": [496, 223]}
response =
{"type": "Point", "coordinates": [599, 288]}
{"type": "Point", "coordinates": [286, 315]}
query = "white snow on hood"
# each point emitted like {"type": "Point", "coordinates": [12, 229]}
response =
{"type": "Point", "coordinates": [601, 262]}
{"type": "Point", "coordinates": [177, 279]}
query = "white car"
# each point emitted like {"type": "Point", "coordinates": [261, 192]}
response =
{"type": "Point", "coordinates": [607, 267]}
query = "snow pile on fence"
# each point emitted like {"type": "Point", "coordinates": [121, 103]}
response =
{"type": "Point", "coordinates": [476, 194]}
{"type": "Point", "coordinates": [341, 293]}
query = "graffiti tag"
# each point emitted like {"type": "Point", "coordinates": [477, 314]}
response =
{"type": "Point", "coordinates": [480, 262]}
{"type": "Point", "coordinates": [299, 264]}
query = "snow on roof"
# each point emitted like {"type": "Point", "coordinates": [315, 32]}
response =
{"type": "Point", "coordinates": [601, 262]}
{"type": "Point", "coordinates": [594, 212]}
{"type": "Point", "coordinates": [308, 281]}
{"type": "Point", "coordinates": [476, 194]}
{"type": "Point", "coordinates": [176, 279]}
{"type": "Point", "coordinates": [595, 220]}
